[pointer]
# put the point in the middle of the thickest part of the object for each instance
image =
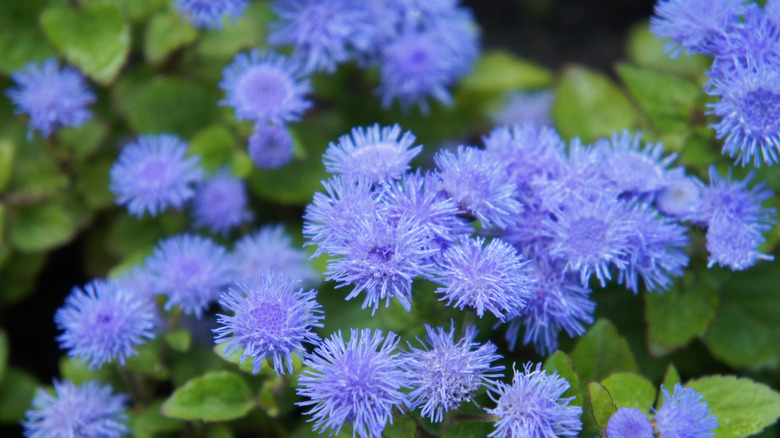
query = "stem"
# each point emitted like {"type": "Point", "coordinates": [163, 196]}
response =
{"type": "Point", "coordinates": [482, 418]}
{"type": "Point", "coordinates": [136, 386]}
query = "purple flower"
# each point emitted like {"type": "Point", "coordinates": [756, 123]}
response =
{"type": "Point", "coordinates": [270, 147]}
{"type": "Point", "coordinates": [590, 237]}
{"type": "Point", "coordinates": [191, 270]}
{"type": "Point", "coordinates": [52, 98]}
{"type": "Point", "coordinates": [534, 107]}
{"type": "Point", "coordinates": [656, 250]}
{"type": "Point", "coordinates": [448, 373]}
{"type": "Point", "coordinates": [265, 87]}
{"type": "Point", "coordinates": [758, 37]}
{"type": "Point", "coordinates": [357, 382]}
{"type": "Point", "coordinates": [416, 196]}
{"type": "Point", "coordinates": [684, 414]}
{"type": "Point", "coordinates": [749, 108]}
{"type": "Point", "coordinates": [680, 196]}
{"type": "Point", "coordinates": [557, 302]}
{"type": "Point", "coordinates": [724, 196]}
{"type": "Point", "coordinates": [488, 277]}
{"type": "Point", "coordinates": [476, 181]}
{"type": "Point", "coordinates": [104, 322]}
{"type": "Point", "coordinates": [629, 423]}
{"type": "Point", "coordinates": [330, 218]}
{"type": "Point", "coordinates": [221, 203]}
{"type": "Point", "coordinates": [733, 243]}
{"type": "Point", "coordinates": [532, 406]}
{"type": "Point", "coordinates": [325, 33]}
{"type": "Point", "coordinates": [90, 410]}
{"type": "Point", "coordinates": [381, 259]}
{"type": "Point", "coordinates": [153, 174]}
{"type": "Point", "coordinates": [695, 25]}
{"type": "Point", "coordinates": [374, 153]}
{"type": "Point", "coordinates": [634, 170]}
{"type": "Point", "coordinates": [419, 64]}
{"type": "Point", "coordinates": [271, 319]}
{"type": "Point", "coordinates": [271, 249]}
{"type": "Point", "coordinates": [209, 13]}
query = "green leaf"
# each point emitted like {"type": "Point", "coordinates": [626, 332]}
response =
{"type": "Point", "coordinates": [179, 340]}
{"type": "Point", "coordinates": [18, 275]}
{"type": "Point", "coordinates": [590, 106]}
{"type": "Point", "coordinates": [83, 140]}
{"type": "Point", "coordinates": [743, 407]}
{"type": "Point", "coordinates": [92, 179]}
{"type": "Point", "coordinates": [76, 371]}
{"type": "Point", "coordinates": [16, 393]}
{"type": "Point", "coordinates": [648, 51]}
{"type": "Point", "coordinates": [168, 104]}
{"type": "Point", "coordinates": [498, 71]}
{"type": "Point", "coordinates": [676, 317]}
{"type": "Point", "coordinates": [215, 396]}
{"type": "Point", "coordinates": [245, 33]}
{"type": "Point", "coordinates": [235, 358]}
{"type": "Point", "coordinates": [140, 10]}
{"type": "Point", "coordinates": [164, 34]}
{"type": "Point", "coordinates": [41, 227]}
{"type": "Point", "coordinates": [148, 361]}
{"type": "Point", "coordinates": [21, 41]}
{"type": "Point", "coordinates": [561, 363]}
{"type": "Point", "coordinates": [602, 351]}
{"type": "Point", "coordinates": [6, 162]}
{"type": "Point", "coordinates": [666, 98]}
{"type": "Point", "coordinates": [460, 431]}
{"type": "Point", "coordinates": [402, 427]}
{"type": "Point", "coordinates": [4, 353]}
{"type": "Point", "coordinates": [746, 330]}
{"type": "Point", "coordinates": [630, 390]}
{"type": "Point", "coordinates": [129, 235]}
{"type": "Point", "coordinates": [601, 404]}
{"type": "Point", "coordinates": [93, 37]}
{"type": "Point", "coordinates": [149, 422]}
{"type": "Point", "coordinates": [215, 146]}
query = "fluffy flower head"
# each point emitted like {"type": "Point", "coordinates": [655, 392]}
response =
{"type": "Point", "coordinates": [271, 319]}
{"type": "Point", "coordinates": [153, 174]}
{"type": "Point", "coordinates": [694, 25]}
{"type": "Point", "coordinates": [221, 203]}
{"type": "Point", "coordinates": [533, 107]}
{"type": "Point", "coordinates": [532, 406]}
{"type": "Point", "coordinates": [374, 153]}
{"type": "Point", "coordinates": [89, 410]}
{"type": "Point", "coordinates": [270, 147]}
{"type": "Point", "coordinates": [632, 169]}
{"type": "Point", "coordinates": [265, 87]}
{"type": "Point", "coordinates": [209, 13]}
{"type": "Point", "coordinates": [684, 414]}
{"type": "Point", "coordinates": [270, 249]}
{"type": "Point", "coordinates": [629, 423]}
{"type": "Point", "coordinates": [104, 322]}
{"type": "Point", "coordinates": [51, 97]}
{"type": "Point", "coordinates": [356, 382]}
{"type": "Point", "coordinates": [448, 373]}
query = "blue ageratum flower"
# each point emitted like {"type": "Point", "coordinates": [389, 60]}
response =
{"type": "Point", "coordinates": [695, 25]}
{"type": "Point", "coordinates": [271, 249]}
{"type": "Point", "coordinates": [375, 153]}
{"type": "Point", "coordinates": [520, 107]}
{"type": "Point", "coordinates": [325, 33]}
{"type": "Point", "coordinates": [735, 220]}
{"type": "Point", "coordinates": [489, 278]}
{"type": "Point", "coordinates": [381, 258]}
{"type": "Point", "coordinates": [330, 218]}
{"type": "Point", "coordinates": [417, 196]}
{"type": "Point", "coordinates": [749, 108]}
{"type": "Point", "coordinates": [358, 382]}
{"type": "Point", "coordinates": [634, 170]}
{"type": "Point", "coordinates": [52, 98]}
{"type": "Point", "coordinates": [477, 183]}
{"type": "Point", "coordinates": [220, 203]}
{"type": "Point", "coordinates": [270, 147]}
{"type": "Point", "coordinates": [448, 373]}
{"type": "Point", "coordinates": [271, 319]}
{"type": "Point", "coordinates": [557, 302]}
{"type": "Point", "coordinates": [191, 270]}
{"type": "Point", "coordinates": [265, 87]}
{"type": "Point", "coordinates": [591, 237]}
{"type": "Point", "coordinates": [89, 410]}
{"type": "Point", "coordinates": [153, 174]}
{"type": "Point", "coordinates": [758, 37]}
{"type": "Point", "coordinates": [629, 423]}
{"type": "Point", "coordinates": [532, 406]}
{"type": "Point", "coordinates": [421, 64]}
{"type": "Point", "coordinates": [684, 414]}
{"type": "Point", "coordinates": [104, 323]}
{"type": "Point", "coordinates": [680, 196]}
{"type": "Point", "coordinates": [210, 13]}
{"type": "Point", "coordinates": [656, 250]}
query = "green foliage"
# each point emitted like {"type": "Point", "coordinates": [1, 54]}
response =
{"type": "Point", "coordinates": [4, 353]}
{"type": "Point", "coordinates": [94, 37]}
{"type": "Point", "coordinates": [630, 390]}
{"type": "Point", "coordinates": [498, 71]}
{"type": "Point", "coordinates": [600, 352]}
{"type": "Point", "coordinates": [589, 105]}
{"type": "Point", "coordinates": [743, 407]}
{"type": "Point", "coordinates": [20, 40]}
{"type": "Point", "coordinates": [561, 363]}
{"type": "Point", "coordinates": [165, 33]}
{"type": "Point", "coordinates": [41, 227]}
{"type": "Point", "coordinates": [677, 316]}
{"type": "Point", "coordinates": [16, 392]}
{"type": "Point", "coordinates": [215, 396]}
{"type": "Point", "coordinates": [602, 406]}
